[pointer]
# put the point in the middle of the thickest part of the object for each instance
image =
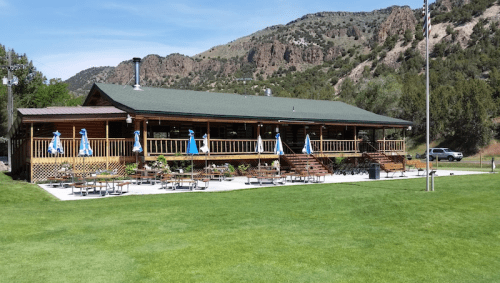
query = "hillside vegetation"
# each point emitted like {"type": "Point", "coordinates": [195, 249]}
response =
{"type": "Point", "coordinates": [374, 60]}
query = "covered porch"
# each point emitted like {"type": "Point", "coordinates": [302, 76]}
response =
{"type": "Point", "coordinates": [230, 142]}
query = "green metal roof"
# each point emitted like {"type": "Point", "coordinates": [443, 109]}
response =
{"type": "Point", "coordinates": [209, 104]}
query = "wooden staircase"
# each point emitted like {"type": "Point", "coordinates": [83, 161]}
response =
{"type": "Point", "coordinates": [299, 162]}
{"type": "Point", "coordinates": [386, 163]}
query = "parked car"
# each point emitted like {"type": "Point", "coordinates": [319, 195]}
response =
{"type": "Point", "coordinates": [443, 153]}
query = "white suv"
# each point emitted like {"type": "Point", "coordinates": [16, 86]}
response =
{"type": "Point", "coordinates": [443, 153]}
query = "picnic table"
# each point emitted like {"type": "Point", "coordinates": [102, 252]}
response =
{"type": "Point", "coordinates": [185, 178]}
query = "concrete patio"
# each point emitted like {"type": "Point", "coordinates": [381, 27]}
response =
{"type": "Point", "coordinates": [239, 183]}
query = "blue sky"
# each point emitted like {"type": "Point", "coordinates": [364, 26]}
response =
{"type": "Point", "coordinates": [65, 37]}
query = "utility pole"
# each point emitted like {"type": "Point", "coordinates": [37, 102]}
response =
{"type": "Point", "coordinates": [10, 111]}
{"type": "Point", "coordinates": [427, 19]}
{"type": "Point", "coordinates": [10, 81]}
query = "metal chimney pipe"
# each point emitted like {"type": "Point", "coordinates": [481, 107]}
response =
{"type": "Point", "coordinates": [137, 85]}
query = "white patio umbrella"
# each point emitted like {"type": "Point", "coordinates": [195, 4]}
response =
{"type": "Point", "coordinates": [85, 149]}
{"type": "Point", "coordinates": [191, 148]}
{"type": "Point", "coordinates": [55, 146]}
{"type": "Point", "coordinates": [205, 149]}
{"type": "Point", "coordinates": [307, 150]}
{"type": "Point", "coordinates": [137, 144]}
{"type": "Point", "coordinates": [259, 148]}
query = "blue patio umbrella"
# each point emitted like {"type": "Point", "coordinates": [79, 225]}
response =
{"type": "Point", "coordinates": [55, 146]}
{"type": "Point", "coordinates": [85, 149]}
{"type": "Point", "coordinates": [278, 148]}
{"type": "Point", "coordinates": [259, 148]}
{"type": "Point", "coordinates": [191, 147]}
{"type": "Point", "coordinates": [307, 150]}
{"type": "Point", "coordinates": [137, 145]}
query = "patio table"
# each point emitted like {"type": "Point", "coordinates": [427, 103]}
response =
{"type": "Point", "coordinates": [107, 179]}
{"type": "Point", "coordinates": [146, 174]}
{"type": "Point", "coordinates": [180, 180]}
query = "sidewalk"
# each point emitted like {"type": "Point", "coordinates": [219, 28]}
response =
{"type": "Point", "coordinates": [239, 183]}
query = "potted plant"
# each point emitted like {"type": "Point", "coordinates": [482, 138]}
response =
{"type": "Point", "coordinates": [242, 168]}
{"type": "Point", "coordinates": [65, 167]}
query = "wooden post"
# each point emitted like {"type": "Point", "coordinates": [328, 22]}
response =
{"type": "Point", "coordinates": [107, 144]}
{"type": "Point", "coordinates": [383, 144]}
{"type": "Point", "coordinates": [321, 138]}
{"type": "Point", "coordinates": [404, 141]}
{"type": "Point", "coordinates": [74, 148]}
{"type": "Point", "coordinates": [145, 138]}
{"type": "Point", "coordinates": [480, 160]}
{"type": "Point", "coordinates": [31, 154]}
{"type": "Point", "coordinates": [208, 137]}
{"type": "Point", "coordinates": [355, 140]}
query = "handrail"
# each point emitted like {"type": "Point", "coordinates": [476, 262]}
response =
{"type": "Point", "coordinates": [287, 150]}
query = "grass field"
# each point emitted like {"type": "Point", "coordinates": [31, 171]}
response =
{"type": "Point", "coordinates": [389, 231]}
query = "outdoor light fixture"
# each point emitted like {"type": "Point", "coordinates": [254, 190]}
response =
{"type": "Point", "coordinates": [409, 128]}
{"type": "Point", "coordinates": [277, 129]}
{"type": "Point", "coordinates": [129, 119]}
{"type": "Point", "coordinates": [260, 125]}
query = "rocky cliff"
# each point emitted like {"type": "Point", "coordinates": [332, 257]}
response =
{"type": "Point", "coordinates": [309, 41]}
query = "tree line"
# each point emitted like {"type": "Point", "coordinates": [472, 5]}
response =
{"type": "Point", "coordinates": [33, 90]}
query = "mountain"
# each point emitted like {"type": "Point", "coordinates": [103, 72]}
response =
{"type": "Point", "coordinates": [331, 38]}
{"type": "Point", "coordinates": [81, 83]}
{"type": "Point", "coordinates": [300, 44]}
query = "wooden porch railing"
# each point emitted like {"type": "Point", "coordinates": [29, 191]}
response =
{"type": "Point", "coordinates": [217, 146]}
{"type": "Point", "coordinates": [123, 147]}
{"type": "Point", "coordinates": [391, 145]}
{"type": "Point", "coordinates": [334, 146]}
{"type": "Point", "coordinates": [117, 147]}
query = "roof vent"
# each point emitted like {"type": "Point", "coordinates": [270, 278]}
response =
{"type": "Point", "coordinates": [269, 92]}
{"type": "Point", "coordinates": [137, 85]}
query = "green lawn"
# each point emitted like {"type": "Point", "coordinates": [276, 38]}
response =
{"type": "Point", "coordinates": [390, 231]}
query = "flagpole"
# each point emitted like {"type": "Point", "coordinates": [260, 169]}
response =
{"type": "Point", "coordinates": [426, 22]}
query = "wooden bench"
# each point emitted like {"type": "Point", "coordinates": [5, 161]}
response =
{"type": "Point", "coordinates": [121, 185]}
{"type": "Point", "coordinates": [301, 176]}
{"type": "Point", "coordinates": [394, 167]}
{"type": "Point", "coordinates": [318, 176]}
{"type": "Point", "coordinates": [249, 177]}
{"type": "Point", "coordinates": [57, 180]}
{"type": "Point", "coordinates": [419, 165]}
{"type": "Point", "coordinates": [86, 187]}
{"type": "Point", "coordinates": [167, 179]}
{"type": "Point", "coordinates": [205, 182]}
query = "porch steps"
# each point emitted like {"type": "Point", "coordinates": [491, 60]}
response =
{"type": "Point", "coordinates": [300, 162]}
{"type": "Point", "coordinates": [386, 163]}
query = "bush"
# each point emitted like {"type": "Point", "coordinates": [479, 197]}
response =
{"type": "Point", "coordinates": [130, 168]}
